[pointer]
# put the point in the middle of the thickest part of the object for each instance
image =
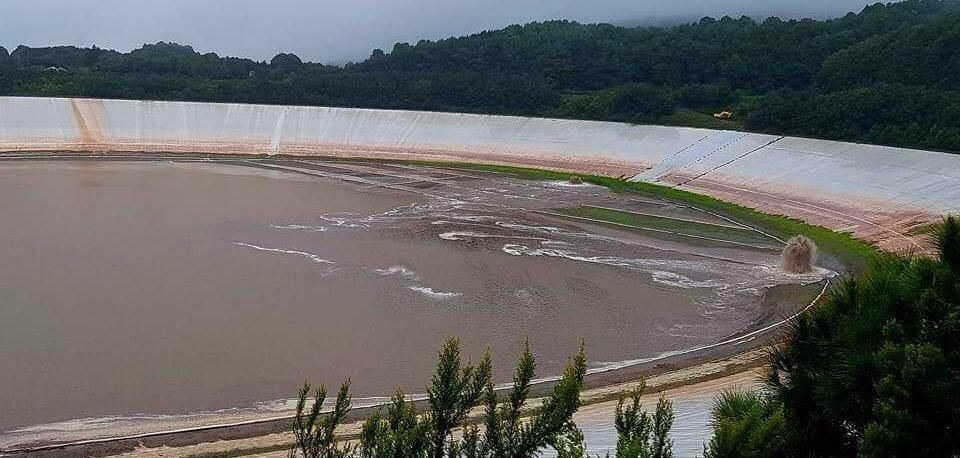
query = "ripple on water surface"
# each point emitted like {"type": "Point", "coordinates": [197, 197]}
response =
{"type": "Point", "coordinates": [214, 291]}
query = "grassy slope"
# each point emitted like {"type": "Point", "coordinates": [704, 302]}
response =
{"type": "Point", "coordinates": [854, 253]}
{"type": "Point", "coordinates": [679, 226]}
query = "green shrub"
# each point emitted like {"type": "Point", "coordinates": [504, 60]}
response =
{"type": "Point", "coordinates": [872, 371]}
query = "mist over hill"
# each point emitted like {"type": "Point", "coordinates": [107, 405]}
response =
{"type": "Point", "coordinates": [329, 31]}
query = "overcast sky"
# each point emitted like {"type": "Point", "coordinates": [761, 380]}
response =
{"type": "Point", "coordinates": [336, 30]}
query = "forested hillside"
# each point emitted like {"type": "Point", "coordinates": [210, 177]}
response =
{"type": "Point", "coordinates": [888, 74]}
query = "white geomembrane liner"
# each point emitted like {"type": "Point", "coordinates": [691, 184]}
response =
{"type": "Point", "coordinates": [868, 189]}
{"type": "Point", "coordinates": [884, 179]}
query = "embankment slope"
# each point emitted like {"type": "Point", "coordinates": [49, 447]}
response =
{"type": "Point", "coordinates": [877, 193]}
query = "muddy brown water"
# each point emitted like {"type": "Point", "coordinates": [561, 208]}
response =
{"type": "Point", "coordinates": [147, 289]}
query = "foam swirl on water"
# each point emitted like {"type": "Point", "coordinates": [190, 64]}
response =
{"type": "Point", "coordinates": [310, 256]}
{"type": "Point", "coordinates": [401, 271]}
{"type": "Point", "coordinates": [429, 292]}
{"type": "Point", "coordinates": [300, 227]}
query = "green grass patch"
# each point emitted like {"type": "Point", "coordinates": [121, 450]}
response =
{"type": "Point", "coordinates": [689, 118]}
{"type": "Point", "coordinates": [661, 223]}
{"type": "Point", "coordinates": [853, 253]}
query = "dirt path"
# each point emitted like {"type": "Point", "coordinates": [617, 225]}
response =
{"type": "Point", "coordinates": [692, 388]}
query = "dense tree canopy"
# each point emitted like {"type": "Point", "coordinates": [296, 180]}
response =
{"type": "Point", "coordinates": [871, 371]}
{"type": "Point", "coordinates": [885, 75]}
{"type": "Point", "coordinates": [402, 431]}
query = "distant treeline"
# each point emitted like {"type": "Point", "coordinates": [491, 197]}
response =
{"type": "Point", "coordinates": [887, 75]}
